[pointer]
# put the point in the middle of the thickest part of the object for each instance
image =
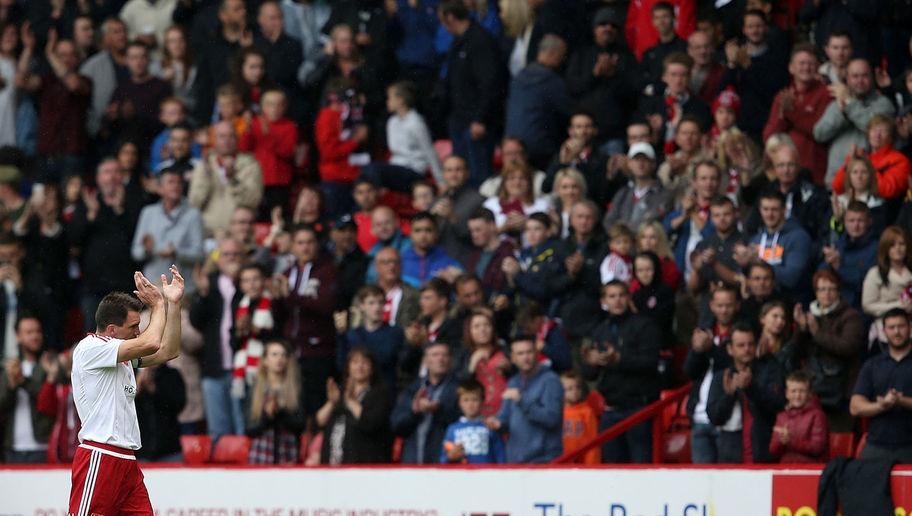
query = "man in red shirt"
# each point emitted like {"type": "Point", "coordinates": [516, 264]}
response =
{"type": "Point", "coordinates": [797, 108]}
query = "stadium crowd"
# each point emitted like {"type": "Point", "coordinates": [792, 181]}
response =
{"type": "Point", "coordinates": [484, 230]}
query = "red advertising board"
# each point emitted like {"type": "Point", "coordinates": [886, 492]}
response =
{"type": "Point", "coordinates": [795, 492]}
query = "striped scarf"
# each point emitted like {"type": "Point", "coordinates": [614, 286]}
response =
{"type": "Point", "coordinates": [250, 348]}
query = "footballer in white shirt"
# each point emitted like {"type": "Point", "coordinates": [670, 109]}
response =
{"type": "Point", "coordinates": [106, 476]}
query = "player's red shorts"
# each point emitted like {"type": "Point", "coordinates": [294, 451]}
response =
{"type": "Point", "coordinates": [107, 482]}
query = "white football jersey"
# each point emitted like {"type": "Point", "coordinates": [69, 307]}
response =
{"type": "Point", "coordinates": [103, 391]}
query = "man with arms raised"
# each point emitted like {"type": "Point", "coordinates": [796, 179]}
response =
{"type": "Point", "coordinates": [106, 476]}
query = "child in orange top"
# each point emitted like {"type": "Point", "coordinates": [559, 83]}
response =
{"type": "Point", "coordinates": [580, 419]}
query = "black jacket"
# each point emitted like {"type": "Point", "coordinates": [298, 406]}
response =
{"type": "Point", "coordinates": [609, 99]}
{"type": "Point", "coordinates": [206, 316]}
{"type": "Point", "coordinates": [757, 85]}
{"type": "Point", "coordinates": [105, 245]}
{"type": "Point", "coordinates": [405, 423]}
{"type": "Point", "coordinates": [634, 381]}
{"type": "Point", "coordinates": [157, 414]}
{"type": "Point", "coordinates": [579, 307]}
{"type": "Point", "coordinates": [368, 439]}
{"type": "Point", "coordinates": [765, 398]}
{"type": "Point", "coordinates": [214, 60]}
{"type": "Point", "coordinates": [696, 365]}
{"type": "Point", "coordinates": [811, 208]}
{"type": "Point", "coordinates": [351, 270]}
{"type": "Point", "coordinates": [476, 80]}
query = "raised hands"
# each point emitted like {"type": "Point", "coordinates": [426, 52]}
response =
{"type": "Point", "coordinates": [146, 291]}
{"type": "Point", "coordinates": [174, 290]}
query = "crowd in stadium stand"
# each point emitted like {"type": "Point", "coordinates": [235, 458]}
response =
{"type": "Point", "coordinates": [465, 231]}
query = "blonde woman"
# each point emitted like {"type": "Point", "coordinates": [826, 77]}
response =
{"type": "Point", "coordinates": [275, 412]}
{"type": "Point", "coordinates": [761, 181]}
{"type": "Point", "coordinates": [518, 19]}
{"type": "Point", "coordinates": [740, 160]}
{"type": "Point", "coordinates": [569, 188]}
{"type": "Point", "coordinates": [652, 237]}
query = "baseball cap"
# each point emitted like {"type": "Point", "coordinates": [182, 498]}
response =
{"type": "Point", "coordinates": [343, 222]}
{"type": "Point", "coordinates": [607, 15]}
{"type": "Point", "coordinates": [641, 148]}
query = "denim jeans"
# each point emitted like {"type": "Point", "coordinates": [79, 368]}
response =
{"type": "Point", "coordinates": [633, 446]}
{"type": "Point", "coordinates": [224, 414]}
{"type": "Point", "coordinates": [26, 457]}
{"type": "Point", "coordinates": [731, 448]}
{"type": "Point", "coordinates": [703, 443]}
{"type": "Point", "coordinates": [477, 153]}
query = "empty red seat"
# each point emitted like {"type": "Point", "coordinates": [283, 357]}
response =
{"type": "Point", "coordinates": [231, 449]}
{"type": "Point", "coordinates": [196, 448]}
{"type": "Point", "coordinates": [842, 444]}
{"type": "Point", "coordinates": [861, 445]}
{"type": "Point", "coordinates": [444, 148]}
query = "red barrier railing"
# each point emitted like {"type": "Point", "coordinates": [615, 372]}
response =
{"type": "Point", "coordinates": [652, 411]}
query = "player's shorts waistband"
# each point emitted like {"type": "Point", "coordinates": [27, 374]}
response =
{"type": "Point", "coordinates": [107, 449]}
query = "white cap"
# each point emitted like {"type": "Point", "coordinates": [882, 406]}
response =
{"type": "Point", "coordinates": [641, 148]}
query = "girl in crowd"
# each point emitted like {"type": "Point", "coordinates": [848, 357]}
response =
{"type": "Point", "coordinates": [249, 77]}
{"type": "Point", "coordinates": [486, 362]}
{"type": "Point", "coordinates": [775, 334]}
{"type": "Point", "coordinates": [516, 200]}
{"type": "Point", "coordinates": [861, 185]}
{"type": "Point", "coordinates": [651, 237]}
{"type": "Point", "coordinates": [651, 297]}
{"type": "Point", "coordinates": [569, 188]}
{"type": "Point", "coordinates": [275, 413]}
{"type": "Point", "coordinates": [887, 284]}
{"type": "Point", "coordinates": [177, 66]}
{"type": "Point", "coordinates": [355, 417]}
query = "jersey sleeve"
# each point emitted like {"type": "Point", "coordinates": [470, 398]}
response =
{"type": "Point", "coordinates": [98, 353]}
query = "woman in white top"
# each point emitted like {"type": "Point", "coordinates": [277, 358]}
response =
{"type": "Point", "coordinates": [409, 141]}
{"type": "Point", "coordinates": [515, 200]}
{"type": "Point", "coordinates": [569, 188]}
{"type": "Point", "coordinates": [888, 284]}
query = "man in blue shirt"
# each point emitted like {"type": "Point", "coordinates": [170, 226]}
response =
{"type": "Point", "coordinates": [425, 259]}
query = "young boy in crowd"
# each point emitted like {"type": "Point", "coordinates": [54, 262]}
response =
{"type": "Point", "coordinates": [172, 113]}
{"type": "Point", "coordinates": [800, 433]}
{"type": "Point", "coordinates": [616, 266]}
{"type": "Point", "coordinates": [469, 441]}
{"type": "Point", "coordinates": [725, 113]}
{"type": "Point", "coordinates": [580, 418]}
{"type": "Point", "coordinates": [229, 107]}
{"type": "Point", "coordinates": [422, 196]}
{"type": "Point", "coordinates": [253, 322]}
{"type": "Point", "coordinates": [385, 342]}
{"type": "Point", "coordinates": [272, 138]}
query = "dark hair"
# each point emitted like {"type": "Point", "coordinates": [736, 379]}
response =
{"type": "Point", "coordinates": [138, 44]}
{"type": "Point", "coordinates": [656, 264]}
{"type": "Point", "coordinates": [454, 8]}
{"type": "Point", "coordinates": [424, 215]}
{"type": "Point", "coordinates": [364, 352]}
{"type": "Point", "coordinates": [406, 91]}
{"type": "Point", "coordinates": [696, 121]}
{"type": "Point", "coordinates": [857, 206]}
{"type": "Point", "coordinates": [304, 227]}
{"type": "Point", "coordinates": [807, 48]}
{"type": "Point", "coordinates": [722, 200]}
{"type": "Point", "coordinates": [252, 267]}
{"type": "Point", "coordinates": [369, 291]}
{"type": "Point", "coordinates": [582, 112]}
{"type": "Point", "coordinates": [743, 327]}
{"type": "Point", "coordinates": [522, 337]}
{"type": "Point", "coordinates": [762, 265]}
{"type": "Point", "coordinates": [680, 58]}
{"type": "Point", "coordinates": [542, 218]}
{"type": "Point", "coordinates": [895, 312]}
{"type": "Point", "coordinates": [114, 308]}
{"type": "Point", "coordinates": [9, 238]}
{"type": "Point", "coordinates": [775, 195]}
{"type": "Point", "coordinates": [26, 314]}
{"type": "Point", "coordinates": [526, 313]}
{"type": "Point", "coordinates": [482, 214]}
{"type": "Point", "coordinates": [466, 277]}
{"type": "Point", "coordinates": [438, 286]}
{"type": "Point", "coordinates": [839, 33]}
{"type": "Point", "coordinates": [755, 12]}
{"type": "Point", "coordinates": [470, 386]}
{"type": "Point", "coordinates": [615, 283]}
{"type": "Point", "coordinates": [664, 6]}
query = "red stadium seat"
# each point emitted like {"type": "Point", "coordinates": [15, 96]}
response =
{"type": "Point", "coordinates": [397, 450]}
{"type": "Point", "coordinates": [676, 432]}
{"type": "Point", "coordinates": [231, 449]}
{"type": "Point", "coordinates": [841, 444]}
{"type": "Point", "coordinates": [861, 445]}
{"type": "Point", "coordinates": [302, 448]}
{"type": "Point", "coordinates": [196, 448]}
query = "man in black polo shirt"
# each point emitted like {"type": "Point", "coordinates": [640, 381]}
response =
{"type": "Point", "coordinates": [881, 394]}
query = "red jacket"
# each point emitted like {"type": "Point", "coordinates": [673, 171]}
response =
{"type": "Point", "coordinates": [334, 149]}
{"type": "Point", "coordinates": [808, 435]}
{"type": "Point", "coordinates": [640, 33]}
{"type": "Point", "coordinates": [798, 123]}
{"type": "Point", "coordinates": [892, 169]}
{"type": "Point", "coordinates": [56, 400]}
{"type": "Point", "coordinates": [274, 149]}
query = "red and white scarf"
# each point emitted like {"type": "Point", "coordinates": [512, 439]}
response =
{"type": "Point", "coordinates": [250, 350]}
